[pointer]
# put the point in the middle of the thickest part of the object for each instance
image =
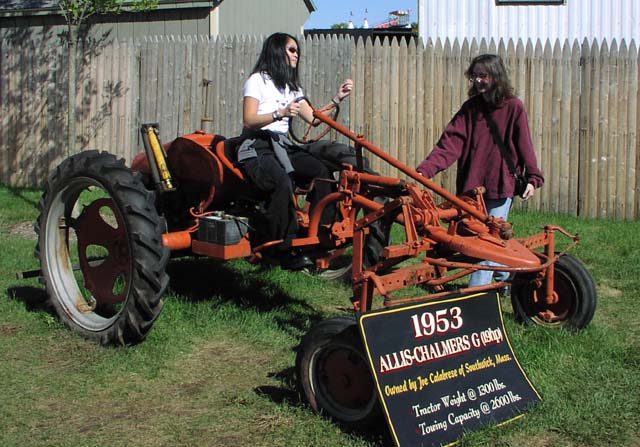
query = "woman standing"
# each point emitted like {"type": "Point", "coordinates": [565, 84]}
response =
{"type": "Point", "coordinates": [267, 156]}
{"type": "Point", "coordinates": [469, 140]}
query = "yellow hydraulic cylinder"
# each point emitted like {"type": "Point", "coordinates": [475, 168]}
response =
{"type": "Point", "coordinates": [158, 157]}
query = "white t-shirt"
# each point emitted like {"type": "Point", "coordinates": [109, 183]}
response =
{"type": "Point", "coordinates": [261, 87]}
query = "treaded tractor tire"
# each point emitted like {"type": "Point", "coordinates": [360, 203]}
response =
{"type": "Point", "coordinates": [575, 293]}
{"type": "Point", "coordinates": [100, 249]}
{"type": "Point", "coordinates": [378, 238]}
{"type": "Point", "coordinates": [333, 374]}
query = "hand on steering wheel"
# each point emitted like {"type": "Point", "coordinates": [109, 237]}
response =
{"type": "Point", "coordinates": [303, 132]}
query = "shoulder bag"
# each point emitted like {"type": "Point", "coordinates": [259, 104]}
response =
{"type": "Point", "coordinates": [521, 180]}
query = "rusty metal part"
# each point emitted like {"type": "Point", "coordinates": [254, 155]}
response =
{"type": "Point", "coordinates": [109, 279]}
{"type": "Point", "coordinates": [347, 377]}
{"type": "Point", "coordinates": [410, 172]}
{"type": "Point", "coordinates": [177, 240]}
{"type": "Point", "coordinates": [240, 250]}
{"type": "Point", "coordinates": [459, 229]}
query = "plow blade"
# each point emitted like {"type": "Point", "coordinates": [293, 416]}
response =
{"type": "Point", "coordinates": [507, 252]}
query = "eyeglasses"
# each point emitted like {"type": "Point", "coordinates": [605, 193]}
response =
{"type": "Point", "coordinates": [292, 50]}
{"type": "Point", "coordinates": [479, 76]}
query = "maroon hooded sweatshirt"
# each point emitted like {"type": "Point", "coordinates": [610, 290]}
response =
{"type": "Point", "coordinates": [468, 139]}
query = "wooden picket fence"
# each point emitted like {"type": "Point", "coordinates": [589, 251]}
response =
{"type": "Point", "coordinates": [582, 100]}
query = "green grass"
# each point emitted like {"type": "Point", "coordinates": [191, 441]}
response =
{"type": "Point", "coordinates": [217, 369]}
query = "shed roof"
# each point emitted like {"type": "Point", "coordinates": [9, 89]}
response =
{"type": "Point", "coordinates": [310, 5]}
{"type": "Point", "coordinates": [43, 7]}
{"type": "Point", "coordinates": [38, 7]}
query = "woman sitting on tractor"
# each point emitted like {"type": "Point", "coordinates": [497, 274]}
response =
{"type": "Point", "coordinates": [269, 158]}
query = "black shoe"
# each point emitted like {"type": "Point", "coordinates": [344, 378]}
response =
{"type": "Point", "coordinates": [295, 260]}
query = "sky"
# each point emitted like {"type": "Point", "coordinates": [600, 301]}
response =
{"type": "Point", "coordinates": [329, 12]}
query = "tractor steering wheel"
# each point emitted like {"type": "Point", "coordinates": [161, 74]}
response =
{"type": "Point", "coordinates": [302, 132]}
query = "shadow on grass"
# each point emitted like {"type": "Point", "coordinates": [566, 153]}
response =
{"type": "Point", "coordinates": [288, 395]}
{"type": "Point", "coordinates": [34, 298]}
{"type": "Point", "coordinates": [196, 280]}
{"type": "Point", "coordinates": [203, 279]}
{"type": "Point", "coordinates": [21, 193]}
{"type": "Point", "coordinates": [285, 394]}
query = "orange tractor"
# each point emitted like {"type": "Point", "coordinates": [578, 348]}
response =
{"type": "Point", "coordinates": [107, 231]}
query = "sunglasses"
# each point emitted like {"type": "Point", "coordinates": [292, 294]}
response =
{"type": "Point", "coordinates": [479, 76]}
{"type": "Point", "coordinates": [292, 50]}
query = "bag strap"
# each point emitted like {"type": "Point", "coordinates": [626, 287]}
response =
{"type": "Point", "coordinates": [500, 142]}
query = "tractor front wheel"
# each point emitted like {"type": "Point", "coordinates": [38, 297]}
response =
{"type": "Point", "coordinates": [100, 249]}
{"type": "Point", "coordinates": [334, 376]}
{"type": "Point", "coordinates": [573, 300]}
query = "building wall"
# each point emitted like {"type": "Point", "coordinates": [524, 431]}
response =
{"type": "Point", "coordinates": [575, 19]}
{"type": "Point", "coordinates": [31, 27]}
{"type": "Point", "coordinates": [231, 17]}
{"type": "Point", "coordinates": [179, 22]}
{"type": "Point", "coordinates": [242, 17]}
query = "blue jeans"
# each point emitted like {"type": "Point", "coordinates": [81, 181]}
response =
{"type": "Point", "coordinates": [495, 208]}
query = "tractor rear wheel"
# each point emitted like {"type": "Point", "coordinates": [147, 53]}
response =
{"type": "Point", "coordinates": [100, 249]}
{"type": "Point", "coordinates": [333, 374]}
{"type": "Point", "coordinates": [574, 297]}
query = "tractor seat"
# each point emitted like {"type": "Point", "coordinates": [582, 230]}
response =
{"type": "Point", "coordinates": [245, 192]}
{"type": "Point", "coordinates": [226, 152]}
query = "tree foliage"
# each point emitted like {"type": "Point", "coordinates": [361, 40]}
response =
{"type": "Point", "coordinates": [76, 14]}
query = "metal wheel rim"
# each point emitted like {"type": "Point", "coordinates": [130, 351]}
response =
{"type": "Point", "coordinates": [58, 253]}
{"type": "Point", "coordinates": [338, 268]}
{"type": "Point", "coordinates": [343, 388]}
{"type": "Point", "coordinates": [566, 294]}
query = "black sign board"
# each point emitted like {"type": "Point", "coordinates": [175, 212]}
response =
{"type": "Point", "coordinates": [443, 368]}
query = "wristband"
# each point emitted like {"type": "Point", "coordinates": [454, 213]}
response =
{"type": "Point", "coordinates": [333, 100]}
{"type": "Point", "coordinates": [276, 116]}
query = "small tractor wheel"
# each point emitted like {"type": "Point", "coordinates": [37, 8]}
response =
{"type": "Point", "coordinates": [100, 249]}
{"type": "Point", "coordinates": [333, 374]}
{"type": "Point", "coordinates": [574, 297]}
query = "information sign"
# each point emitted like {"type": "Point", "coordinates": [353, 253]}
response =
{"type": "Point", "coordinates": [444, 367]}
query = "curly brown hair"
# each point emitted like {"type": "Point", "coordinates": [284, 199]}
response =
{"type": "Point", "coordinates": [502, 88]}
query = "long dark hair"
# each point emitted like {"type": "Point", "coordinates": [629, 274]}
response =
{"type": "Point", "coordinates": [274, 61]}
{"type": "Point", "coordinates": [502, 88]}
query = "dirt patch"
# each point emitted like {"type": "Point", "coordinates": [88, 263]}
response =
{"type": "Point", "coordinates": [7, 330]}
{"type": "Point", "coordinates": [609, 291]}
{"type": "Point", "coordinates": [24, 230]}
{"type": "Point", "coordinates": [267, 422]}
